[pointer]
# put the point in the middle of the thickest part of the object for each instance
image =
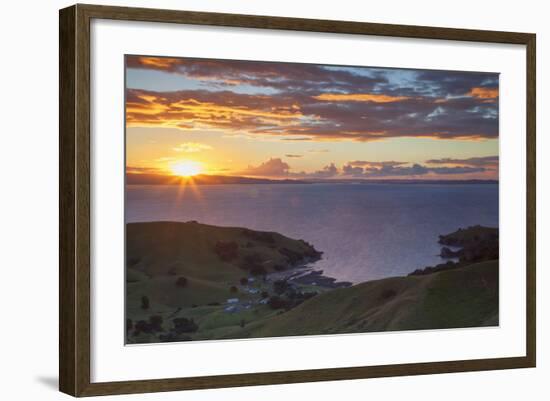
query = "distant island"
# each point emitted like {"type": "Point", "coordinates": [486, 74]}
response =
{"type": "Point", "coordinates": [192, 281]}
{"type": "Point", "coordinates": [206, 179]}
{"type": "Point", "coordinates": [200, 179]}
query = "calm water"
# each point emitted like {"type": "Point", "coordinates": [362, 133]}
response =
{"type": "Point", "coordinates": [366, 231]}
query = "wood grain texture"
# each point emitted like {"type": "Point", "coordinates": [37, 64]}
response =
{"type": "Point", "coordinates": [74, 199]}
{"type": "Point", "coordinates": [67, 273]}
{"type": "Point", "coordinates": [531, 201]}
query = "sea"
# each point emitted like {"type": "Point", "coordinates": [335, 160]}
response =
{"type": "Point", "coordinates": [366, 231]}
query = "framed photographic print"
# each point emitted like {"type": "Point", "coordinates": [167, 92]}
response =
{"type": "Point", "coordinates": [278, 200]}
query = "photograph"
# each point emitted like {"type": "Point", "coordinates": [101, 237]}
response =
{"type": "Point", "coordinates": [268, 199]}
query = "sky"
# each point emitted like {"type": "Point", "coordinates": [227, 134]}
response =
{"type": "Point", "coordinates": [189, 116]}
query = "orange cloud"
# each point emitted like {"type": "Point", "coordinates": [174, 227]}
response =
{"type": "Point", "coordinates": [360, 97]}
{"type": "Point", "coordinates": [192, 147]}
{"type": "Point", "coordinates": [159, 62]}
{"type": "Point", "coordinates": [484, 93]}
{"type": "Point", "coordinates": [187, 112]}
{"type": "Point", "coordinates": [302, 117]}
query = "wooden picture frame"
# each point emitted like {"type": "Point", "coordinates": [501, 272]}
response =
{"type": "Point", "coordinates": [74, 205]}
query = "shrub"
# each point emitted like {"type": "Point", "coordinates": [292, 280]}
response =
{"type": "Point", "coordinates": [144, 302]}
{"type": "Point", "coordinates": [233, 289]}
{"type": "Point", "coordinates": [265, 294]}
{"type": "Point", "coordinates": [258, 271]}
{"type": "Point", "coordinates": [276, 302]}
{"type": "Point", "coordinates": [259, 236]}
{"type": "Point", "coordinates": [280, 286]}
{"type": "Point", "coordinates": [184, 325]}
{"type": "Point", "coordinates": [155, 321]}
{"type": "Point", "coordinates": [181, 281]}
{"type": "Point", "coordinates": [279, 267]}
{"type": "Point", "coordinates": [292, 257]}
{"type": "Point", "coordinates": [143, 327]}
{"type": "Point", "coordinates": [244, 281]}
{"type": "Point", "coordinates": [253, 263]}
{"type": "Point", "coordinates": [388, 293]}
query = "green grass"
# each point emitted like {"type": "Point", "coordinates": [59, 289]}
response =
{"type": "Point", "coordinates": [160, 253]}
{"type": "Point", "coordinates": [464, 297]}
{"type": "Point", "coordinates": [164, 248]}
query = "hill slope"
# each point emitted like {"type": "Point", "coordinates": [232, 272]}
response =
{"type": "Point", "coordinates": [464, 297]}
{"type": "Point", "coordinates": [191, 281]}
{"type": "Point", "coordinates": [209, 252]}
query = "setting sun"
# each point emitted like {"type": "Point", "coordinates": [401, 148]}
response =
{"type": "Point", "coordinates": [186, 168]}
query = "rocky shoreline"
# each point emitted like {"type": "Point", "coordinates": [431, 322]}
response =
{"type": "Point", "coordinates": [472, 245]}
{"type": "Point", "coordinates": [192, 281]}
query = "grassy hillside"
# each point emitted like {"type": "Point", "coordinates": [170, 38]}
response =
{"type": "Point", "coordinates": [191, 270]}
{"type": "Point", "coordinates": [464, 297]}
{"type": "Point", "coordinates": [209, 252]}
{"type": "Point", "coordinates": [191, 281]}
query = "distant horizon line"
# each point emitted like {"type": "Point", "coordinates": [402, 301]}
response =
{"type": "Point", "coordinates": [213, 179]}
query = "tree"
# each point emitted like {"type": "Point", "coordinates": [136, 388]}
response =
{"type": "Point", "coordinates": [276, 302]}
{"type": "Point", "coordinates": [155, 321]}
{"type": "Point", "coordinates": [142, 327]}
{"type": "Point", "coordinates": [254, 264]}
{"type": "Point", "coordinates": [144, 302]}
{"type": "Point", "coordinates": [181, 281]}
{"type": "Point", "coordinates": [280, 286]}
{"type": "Point", "coordinates": [184, 325]}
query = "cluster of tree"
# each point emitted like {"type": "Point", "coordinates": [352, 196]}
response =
{"type": "Point", "coordinates": [437, 268]}
{"type": "Point", "coordinates": [477, 244]}
{"type": "Point", "coordinates": [181, 281]}
{"type": "Point", "coordinates": [292, 257]}
{"type": "Point", "coordinates": [253, 263]}
{"type": "Point", "coordinates": [184, 325]}
{"type": "Point", "coordinates": [259, 236]}
{"type": "Point", "coordinates": [287, 296]}
{"type": "Point", "coordinates": [144, 302]}
{"type": "Point", "coordinates": [153, 325]}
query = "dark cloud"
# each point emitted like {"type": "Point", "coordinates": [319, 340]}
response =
{"type": "Point", "coordinates": [307, 102]}
{"type": "Point", "coordinates": [376, 164]}
{"type": "Point", "coordinates": [278, 76]}
{"type": "Point", "coordinates": [487, 161]}
{"type": "Point", "coordinates": [449, 83]}
{"type": "Point", "coordinates": [397, 169]}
